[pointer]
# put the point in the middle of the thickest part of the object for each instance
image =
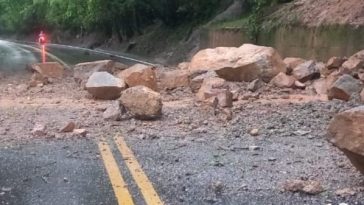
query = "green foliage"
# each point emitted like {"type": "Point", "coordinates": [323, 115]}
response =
{"type": "Point", "coordinates": [256, 16]}
{"type": "Point", "coordinates": [121, 17]}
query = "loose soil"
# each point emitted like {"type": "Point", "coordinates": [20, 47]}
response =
{"type": "Point", "coordinates": [322, 12]}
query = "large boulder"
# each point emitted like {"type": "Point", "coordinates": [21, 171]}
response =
{"type": "Point", "coordinates": [140, 74]}
{"type": "Point", "coordinates": [246, 63]}
{"type": "Point", "coordinates": [49, 69]}
{"type": "Point", "coordinates": [355, 62]}
{"type": "Point", "coordinates": [82, 71]}
{"type": "Point", "coordinates": [142, 102]}
{"type": "Point", "coordinates": [306, 71]}
{"type": "Point", "coordinates": [174, 79]}
{"type": "Point", "coordinates": [215, 89]}
{"type": "Point", "coordinates": [103, 85]}
{"type": "Point", "coordinates": [344, 88]}
{"type": "Point", "coordinates": [346, 131]}
{"type": "Point", "coordinates": [283, 81]}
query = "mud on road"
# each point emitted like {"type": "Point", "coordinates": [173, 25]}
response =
{"type": "Point", "coordinates": [191, 155]}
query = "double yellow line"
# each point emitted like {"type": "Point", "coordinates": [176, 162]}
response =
{"type": "Point", "coordinates": [120, 188]}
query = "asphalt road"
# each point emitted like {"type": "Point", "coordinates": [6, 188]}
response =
{"type": "Point", "coordinates": [15, 56]}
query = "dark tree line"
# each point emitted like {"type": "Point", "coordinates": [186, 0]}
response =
{"type": "Point", "coordinates": [123, 17]}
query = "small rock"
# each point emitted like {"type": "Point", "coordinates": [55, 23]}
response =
{"type": "Point", "coordinates": [80, 132]}
{"type": "Point", "coordinates": [69, 127]}
{"type": "Point", "coordinates": [302, 132]}
{"type": "Point", "coordinates": [299, 85]}
{"type": "Point", "coordinates": [6, 189]}
{"type": "Point", "coordinates": [345, 192]}
{"type": "Point", "coordinates": [308, 187]}
{"type": "Point", "coordinates": [39, 130]}
{"type": "Point", "coordinates": [103, 85]}
{"type": "Point", "coordinates": [113, 112]}
{"type": "Point", "coordinates": [272, 159]}
{"type": "Point", "coordinates": [255, 85]}
{"type": "Point", "coordinates": [140, 75]}
{"type": "Point", "coordinates": [142, 102]}
{"type": "Point", "coordinates": [254, 148]}
{"type": "Point", "coordinates": [283, 81]}
{"type": "Point", "coordinates": [254, 132]}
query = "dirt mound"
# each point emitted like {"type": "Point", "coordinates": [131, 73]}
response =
{"type": "Point", "coordinates": [323, 12]}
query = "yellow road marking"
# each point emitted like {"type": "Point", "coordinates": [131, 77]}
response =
{"type": "Point", "coordinates": [118, 184]}
{"type": "Point", "coordinates": [150, 195]}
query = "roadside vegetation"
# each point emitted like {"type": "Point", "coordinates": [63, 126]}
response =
{"type": "Point", "coordinates": [122, 17]}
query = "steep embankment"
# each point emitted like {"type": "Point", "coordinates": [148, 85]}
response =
{"type": "Point", "coordinates": [322, 12]}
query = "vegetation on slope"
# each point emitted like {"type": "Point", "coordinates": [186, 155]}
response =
{"type": "Point", "coordinates": [122, 17]}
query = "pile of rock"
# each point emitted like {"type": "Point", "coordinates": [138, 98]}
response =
{"type": "Point", "coordinates": [210, 73]}
{"type": "Point", "coordinates": [339, 78]}
{"type": "Point", "coordinates": [134, 88]}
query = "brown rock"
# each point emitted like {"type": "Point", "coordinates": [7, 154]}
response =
{"type": "Point", "coordinates": [355, 62]}
{"type": "Point", "coordinates": [69, 127]}
{"type": "Point", "coordinates": [306, 71]}
{"type": "Point", "coordinates": [346, 131]}
{"type": "Point", "coordinates": [291, 63]}
{"type": "Point", "coordinates": [320, 86]}
{"type": "Point", "coordinates": [39, 130]}
{"type": "Point", "coordinates": [83, 71]}
{"type": "Point", "coordinates": [225, 98]}
{"type": "Point", "coordinates": [299, 85]}
{"type": "Point", "coordinates": [103, 85]}
{"type": "Point", "coordinates": [332, 78]}
{"type": "Point", "coordinates": [142, 102]}
{"type": "Point", "coordinates": [346, 192]}
{"type": "Point", "coordinates": [254, 132]}
{"type": "Point", "coordinates": [80, 132]}
{"type": "Point", "coordinates": [308, 187]}
{"type": "Point", "coordinates": [236, 89]}
{"type": "Point", "coordinates": [140, 74]}
{"type": "Point", "coordinates": [215, 88]}
{"type": "Point", "coordinates": [344, 88]}
{"type": "Point", "coordinates": [49, 69]}
{"type": "Point", "coordinates": [283, 81]}
{"type": "Point", "coordinates": [37, 79]}
{"type": "Point", "coordinates": [113, 112]}
{"type": "Point", "coordinates": [196, 82]}
{"type": "Point", "coordinates": [255, 85]}
{"type": "Point", "coordinates": [174, 79]}
{"type": "Point", "coordinates": [335, 63]}
{"type": "Point", "coordinates": [246, 63]}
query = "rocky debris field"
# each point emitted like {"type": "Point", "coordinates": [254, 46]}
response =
{"type": "Point", "coordinates": [243, 119]}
